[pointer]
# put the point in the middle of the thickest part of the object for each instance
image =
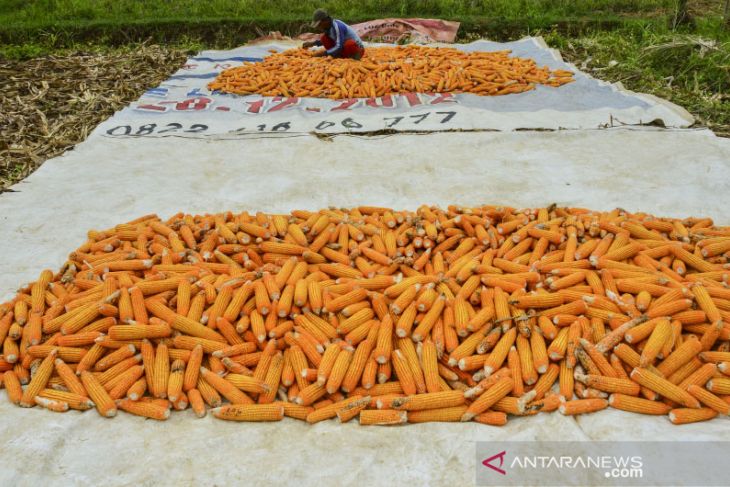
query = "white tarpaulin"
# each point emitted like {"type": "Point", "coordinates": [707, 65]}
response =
{"type": "Point", "coordinates": [103, 182]}
{"type": "Point", "coordinates": [183, 106]}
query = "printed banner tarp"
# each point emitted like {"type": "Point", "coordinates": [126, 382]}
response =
{"type": "Point", "coordinates": [394, 31]}
{"type": "Point", "coordinates": [397, 30]}
{"type": "Point", "coordinates": [183, 106]}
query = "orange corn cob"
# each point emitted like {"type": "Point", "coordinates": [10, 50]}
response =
{"type": "Point", "coordinates": [224, 387]}
{"type": "Point", "coordinates": [582, 406]}
{"type": "Point", "coordinates": [709, 399]}
{"type": "Point", "coordinates": [386, 417]}
{"type": "Point", "coordinates": [687, 415]}
{"type": "Point", "coordinates": [250, 412]}
{"type": "Point", "coordinates": [450, 414]}
{"type": "Point", "coordinates": [499, 390]}
{"type": "Point", "coordinates": [719, 385]}
{"type": "Point", "coordinates": [663, 387]}
{"type": "Point", "coordinates": [431, 400]}
{"type": "Point", "coordinates": [610, 384]}
{"type": "Point", "coordinates": [638, 405]}
{"type": "Point", "coordinates": [144, 409]}
{"type": "Point", "coordinates": [39, 380]}
{"type": "Point", "coordinates": [104, 404]}
{"type": "Point", "coordinates": [12, 387]}
{"type": "Point", "coordinates": [196, 402]}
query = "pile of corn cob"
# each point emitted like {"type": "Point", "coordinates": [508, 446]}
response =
{"type": "Point", "coordinates": [463, 314]}
{"type": "Point", "coordinates": [389, 70]}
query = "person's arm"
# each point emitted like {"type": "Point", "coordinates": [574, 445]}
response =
{"type": "Point", "coordinates": [309, 44]}
{"type": "Point", "coordinates": [339, 40]}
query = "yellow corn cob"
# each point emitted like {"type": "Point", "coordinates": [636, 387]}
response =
{"type": "Point", "coordinates": [115, 357]}
{"type": "Point", "coordinates": [451, 414]}
{"type": "Point", "coordinates": [610, 384]}
{"type": "Point", "coordinates": [404, 373]}
{"type": "Point", "coordinates": [384, 417]}
{"type": "Point", "coordinates": [196, 403]}
{"type": "Point", "coordinates": [513, 363]}
{"type": "Point", "coordinates": [546, 381]}
{"type": "Point", "coordinates": [557, 348]}
{"type": "Point", "coordinates": [51, 404]}
{"type": "Point", "coordinates": [716, 356]}
{"type": "Point", "coordinates": [248, 384]}
{"type": "Point", "coordinates": [119, 385]}
{"type": "Point", "coordinates": [709, 399]}
{"type": "Point", "coordinates": [224, 387]}
{"type": "Point", "coordinates": [250, 412]}
{"type": "Point", "coordinates": [539, 351]}
{"type": "Point", "coordinates": [137, 390]}
{"type": "Point", "coordinates": [699, 376]}
{"type": "Point", "coordinates": [161, 372]}
{"type": "Point", "coordinates": [310, 394]}
{"type": "Point", "coordinates": [86, 315]}
{"type": "Point", "coordinates": [69, 378]}
{"type": "Point", "coordinates": [175, 382]}
{"type": "Point", "coordinates": [492, 418]}
{"type": "Point", "coordinates": [430, 365]}
{"type": "Point", "coordinates": [662, 332]}
{"type": "Point", "coordinates": [566, 381]}
{"type": "Point", "coordinates": [39, 380]}
{"type": "Point", "coordinates": [693, 415]}
{"type": "Point", "coordinates": [719, 385]}
{"type": "Point", "coordinates": [663, 387]}
{"type": "Point", "coordinates": [384, 344]}
{"type": "Point", "coordinates": [681, 355]}
{"type": "Point", "coordinates": [282, 248]}
{"type": "Point", "coordinates": [295, 411]}
{"type": "Point", "coordinates": [431, 400]}
{"type": "Point", "coordinates": [357, 366]}
{"type": "Point", "coordinates": [614, 337]}
{"type": "Point", "coordinates": [499, 352]}
{"type": "Point", "coordinates": [351, 411]}
{"type": "Point", "coordinates": [542, 300]}
{"type": "Point", "coordinates": [429, 320]}
{"type": "Point", "coordinates": [145, 409]}
{"type": "Point", "coordinates": [272, 379]}
{"type": "Point", "coordinates": [74, 401]}
{"type": "Point", "coordinates": [104, 404]}
{"type": "Point", "coordinates": [527, 365]}
{"type": "Point", "coordinates": [513, 405]}
{"type": "Point", "coordinates": [331, 410]}
{"type": "Point", "coordinates": [638, 405]}
{"type": "Point", "coordinates": [339, 369]}
{"type": "Point", "coordinates": [499, 390]}
{"type": "Point", "coordinates": [192, 369]}
{"type": "Point", "coordinates": [467, 347]}
{"type": "Point", "coordinates": [354, 321]}
{"type": "Point", "coordinates": [582, 406]}
{"type": "Point", "coordinates": [404, 299]}
{"type": "Point", "coordinates": [12, 387]}
{"type": "Point", "coordinates": [409, 352]}
{"type": "Point", "coordinates": [348, 299]}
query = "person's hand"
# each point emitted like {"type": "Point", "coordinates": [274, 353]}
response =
{"type": "Point", "coordinates": [307, 45]}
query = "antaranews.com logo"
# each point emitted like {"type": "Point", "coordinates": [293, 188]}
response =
{"type": "Point", "coordinates": [601, 463]}
{"type": "Point", "coordinates": [617, 467]}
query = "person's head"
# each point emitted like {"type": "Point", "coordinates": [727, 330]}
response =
{"type": "Point", "coordinates": [321, 20]}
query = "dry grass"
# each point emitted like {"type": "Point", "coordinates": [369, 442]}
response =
{"type": "Point", "coordinates": [51, 103]}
